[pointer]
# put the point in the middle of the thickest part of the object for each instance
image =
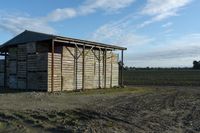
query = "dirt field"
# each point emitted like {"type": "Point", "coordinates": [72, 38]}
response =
{"type": "Point", "coordinates": [134, 109]}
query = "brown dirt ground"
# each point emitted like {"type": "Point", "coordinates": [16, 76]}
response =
{"type": "Point", "coordinates": [133, 109]}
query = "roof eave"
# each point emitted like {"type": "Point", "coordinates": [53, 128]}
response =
{"type": "Point", "coordinates": [89, 43]}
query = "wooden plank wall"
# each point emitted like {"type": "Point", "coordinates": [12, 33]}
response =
{"type": "Point", "coordinates": [115, 71]}
{"type": "Point", "coordinates": [37, 71]}
{"type": "Point", "coordinates": [102, 77]}
{"type": "Point", "coordinates": [108, 69]}
{"type": "Point", "coordinates": [96, 69]}
{"type": "Point", "coordinates": [89, 69]}
{"type": "Point", "coordinates": [27, 68]}
{"type": "Point", "coordinates": [79, 68]}
{"type": "Point", "coordinates": [12, 67]}
{"type": "Point", "coordinates": [92, 72]}
{"type": "Point", "coordinates": [1, 73]}
{"type": "Point", "coordinates": [68, 69]}
{"type": "Point", "coordinates": [57, 72]}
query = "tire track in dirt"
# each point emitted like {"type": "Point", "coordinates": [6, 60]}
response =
{"type": "Point", "coordinates": [161, 111]}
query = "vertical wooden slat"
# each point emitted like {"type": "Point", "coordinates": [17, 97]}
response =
{"type": "Point", "coordinates": [122, 68]}
{"type": "Point", "coordinates": [17, 67]}
{"type": "Point", "coordinates": [76, 67]}
{"type": "Point", "coordinates": [5, 71]}
{"type": "Point", "coordinates": [52, 66]}
{"type": "Point", "coordinates": [62, 69]}
{"type": "Point", "coordinates": [27, 70]}
{"type": "Point", "coordinates": [111, 70]}
{"type": "Point", "coordinates": [105, 60]}
{"type": "Point", "coordinates": [99, 68]}
{"type": "Point", "coordinates": [83, 68]}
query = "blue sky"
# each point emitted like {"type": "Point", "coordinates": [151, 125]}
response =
{"type": "Point", "coordinates": [157, 33]}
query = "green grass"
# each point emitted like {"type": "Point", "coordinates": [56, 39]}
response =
{"type": "Point", "coordinates": [162, 77]}
{"type": "Point", "coordinates": [3, 125]}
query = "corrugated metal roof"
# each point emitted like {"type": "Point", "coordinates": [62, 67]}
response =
{"type": "Point", "coordinates": [31, 36]}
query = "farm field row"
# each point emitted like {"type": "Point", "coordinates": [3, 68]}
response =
{"type": "Point", "coordinates": [162, 77]}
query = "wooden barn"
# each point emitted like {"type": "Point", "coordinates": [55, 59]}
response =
{"type": "Point", "coordinates": [43, 62]}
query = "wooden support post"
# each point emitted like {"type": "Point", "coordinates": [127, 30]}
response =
{"type": "Point", "coordinates": [105, 60]}
{"type": "Point", "coordinates": [5, 71]}
{"type": "Point", "coordinates": [52, 66]}
{"type": "Point", "coordinates": [99, 68]}
{"type": "Point", "coordinates": [62, 69]}
{"type": "Point", "coordinates": [27, 71]}
{"type": "Point", "coordinates": [111, 69]}
{"type": "Point", "coordinates": [76, 68]}
{"type": "Point", "coordinates": [83, 68]}
{"type": "Point", "coordinates": [122, 68]}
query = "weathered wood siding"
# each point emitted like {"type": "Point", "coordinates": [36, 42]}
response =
{"type": "Point", "coordinates": [79, 68]}
{"type": "Point", "coordinates": [1, 73]}
{"type": "Point", "coordinates": [68, 69]}
{"type": "Point", "coordinates": [96, 69]}
{"type": "Point", "coordinates": [89, 69]}
{"type": "Point", "coordinates": [57, 72]}
{"type": "Point", "coordinates": [30, 67]}
{"type": "Point", "coordinates": [27, 68]}
{"type": "Point", "coordinates": [12, 67]}
{"type": "Point", "coordinates": [94, 72]}
{"type": "Point", "coordinates": [108, 69]}
{"type": "Point", "coordinates": [115, 71]}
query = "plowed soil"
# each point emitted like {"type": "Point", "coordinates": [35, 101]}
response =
{"type": "Point", "coordinates": [133, 109]}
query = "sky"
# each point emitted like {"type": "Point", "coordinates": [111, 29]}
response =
{"type": "Point", "coordinates": [157, 33]}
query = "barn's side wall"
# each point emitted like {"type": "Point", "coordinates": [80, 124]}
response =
{"type": "Point", "coordinates": [27, 67]}
{"type": "Point", "coordinates": [2, 73]}
{"type": "Point", "coordinates": [68, 69]}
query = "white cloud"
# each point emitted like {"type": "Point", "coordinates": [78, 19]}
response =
{"type": "Point", "coordinates": [17, 23]}
{"type": "Point", "coordinates": [167, 25]}
{"type": "Point", "coordinates": [119, 33]}
{"type": "Point", "coordinates": [147, 51]}
{"type": "Point", "coordinates": [162, 9]}
{"type": "Point", "coordinates": [61, 14]}
{"type": "Point", "coordinates": [178, 52]}
{"type": "Point", "coordinates": [90, 6]}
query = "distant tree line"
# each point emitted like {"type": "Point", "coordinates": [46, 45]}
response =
{"type": "Point", "coordinates": [196, 64]}
{"type": "Point", "coordinates": [155, 68]}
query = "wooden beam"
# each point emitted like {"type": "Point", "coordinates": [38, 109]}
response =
{"type": "Point", "coordinates": [52, 66]}
{"type": "Point", "coordinates": [122, 68]}
{"type": "Point", "coordinates": [99, 68]}
{"type": "Point", "coordinates": [62, 69]}
{"type": "Point", "coordinates": [70, 51]}
{"type": "Point", "coordinates": [76, 68]}
{"type": "Point", "coordinates": [111, 69]}
{"type": "Point", "coordinates": [108, 46]}
{"type": "Point", "coordinates": [83, 68]}
{"type": "Point", "coordinates": [105, 65]}
{"type": "Point", "coordinates": [85, 53]}
{"type": "Point", "coordinates": [78, 48]}
{"type": "Point", "coordinates": [84, 43]}
{"type": "Point", "coordinates": [95, 55]}
{"type": "Point", "coordinates": [5, 71]}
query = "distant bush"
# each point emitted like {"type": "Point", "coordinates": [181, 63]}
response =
{"type": "Point", "coordinates": [155, 68]}
{"type": "Point", "coordinates": [196, 64]}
